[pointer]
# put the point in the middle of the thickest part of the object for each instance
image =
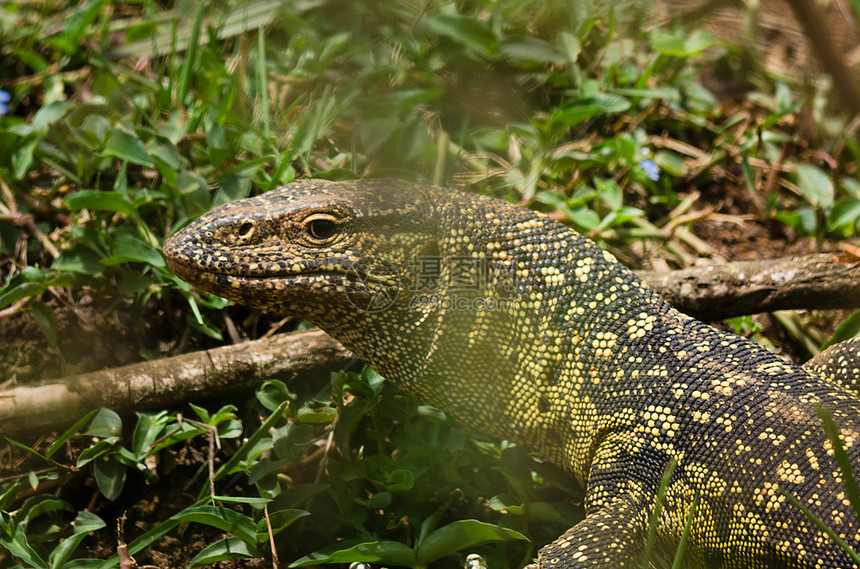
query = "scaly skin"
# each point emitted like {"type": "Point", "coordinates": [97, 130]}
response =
{"type": "Point", "coordinates": [545, 339]}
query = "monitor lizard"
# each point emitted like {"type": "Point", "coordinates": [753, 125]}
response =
{"type": "Point", "coordinates": [525, 330]}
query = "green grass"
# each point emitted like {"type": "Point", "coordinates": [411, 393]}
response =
{"type": "Point", "coordinates": [127, 120]}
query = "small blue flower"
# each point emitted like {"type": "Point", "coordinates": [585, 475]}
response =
{"type": "Point", "coordinates": [651, 169]}
{"type": "Point", "coordinates": [4, 98]}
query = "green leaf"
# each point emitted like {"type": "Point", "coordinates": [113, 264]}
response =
{"type": "Point", "coordinates": [38, 505]}
{"type": "Point", "coordinates": [273, 393]}
{"type": "Point", "coordinates": [46, 319]}
{"type": "Point", "coordinates": [468, 31]}
{"type": "Point", "coordinates": [22, 158]}
{"type": "Point", "coordinates": [849, 328]}
{"type": "Point", "coordinates": [95, 199]}
{"type": "Point", "coordinates": [85, 523]}
{"type": "Point", "coordinates": [21, 291]}
{"type": "Point", "coordinates": [815, 185]}
{"type": "Point", "coordinates": [322, 416]}
{"type": "Point", "coordinates": [131, 249]}
{"type": "Point", "coordinates": [229, 548]}
{"type": "Point", "coordinates": [49, 114]}
{"type": "Point", "coordinates": [531, 49]}
{"type": "Point", "coordinates": [224, 519]}
{"type": "Point", "coordinates": [242, 451]}
{"type": "Point", "coordinates": [845, 215]}
{"type": "Point", "coordinates": [19, 547]}
{"type": "Point", "coordinates": [105, 425]}
{"type": "Point", "coordinates": [679, 44]}
{"type": "Point", "coordinates": [24, 447]}
{"type": "Point", "coordinates": [671, 163]}
{"type": "Point", "coordinates": [247, 500]}
{"type": "Point", "coordinates": [384, 552]}
{"type": "Point", "coordinates": [70, 432]}
{"type": "Point", "coordinates": [110, 477]}
{"type": "Point", "coordinates": [280, 520]}
{"type": "Point", "coordinates": [90, 454]}
{"type": "Point", "coordinates": [506, 502]}
{"type": "Point", "coordinates": [149, 426]}
{"type": "Point", "coordinates": [579, 110]}
{"type": "Point", "coordinates": [128, 147]}
{"type": "Point", "coordinates": [460, 535]}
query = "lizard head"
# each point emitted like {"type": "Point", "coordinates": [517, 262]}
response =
{"type": "Point", "coordinates": [314, 249]}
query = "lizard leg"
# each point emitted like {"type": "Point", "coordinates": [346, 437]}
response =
{"type": "Point", "coordinates": [612, 536]}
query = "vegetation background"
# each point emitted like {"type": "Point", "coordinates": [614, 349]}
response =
{"type": "Point", "coordinates": [122, 121]}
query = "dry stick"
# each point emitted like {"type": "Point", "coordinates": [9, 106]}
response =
{"type": "Point", "coordinates": [709, 293]}
{"type": "Point", "coordinates": [170, 381]}
{"type": "Point", "coordinates": [715, 292]}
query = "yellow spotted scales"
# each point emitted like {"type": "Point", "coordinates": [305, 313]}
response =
{"type": "Point", "coordinates": [525, 330]}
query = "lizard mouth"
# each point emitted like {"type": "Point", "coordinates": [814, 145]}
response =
{"type": "Point", "coordinates": [280, 278]}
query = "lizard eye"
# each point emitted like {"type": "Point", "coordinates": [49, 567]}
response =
{"type": "Point", "coordinates": [321, 228]}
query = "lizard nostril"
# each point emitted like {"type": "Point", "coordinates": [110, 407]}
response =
{"type": "Point", "coordinates": [246, 230]}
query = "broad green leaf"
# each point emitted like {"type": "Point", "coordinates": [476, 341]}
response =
{"type": "Point", "coordinates": [815, 185]}
{"type": "Point", "coordinates": [21, 291]}
{"type": "Point", "coordinates": [22, 158]}
{"type": "Point", "coordinates": [383, 552]}
{"type": "Point", "coordinates": [19, 547]}
{"type": "Point", "coordinates": [90, 454]}
{"type": "Point", "coordinates": [85, 523]}
{"type": "Point", "coordinates": [131, 249]}
{"type": "Point", "coordinates": [579, 110]}
{"type": "Point", "coordinates": [322, 416]}
{"type": "Point", "coordinates": [38, 505]}
{"type": "Point", "coordinates": [462, 29]}
{"type": "Point", "coordinates": [671, 163]}
{"type": "Point", "coordinates": [280, 520]}
{"type": "Point", "coordinates": [262, 430]}
{"type": "Point", "coordinates": [149, 426]}
{"type": "Point", "coordinates": [229, 548]}
{"type": "Point", "coordinates": [95, 199]}
{"type": "Point", "coordinates": [460, 535]}
{"type": "Point", "coordinates": [224, 519]}
{"type": "Point", "coordinates": [106, 424]}
{"type": "Point", "coordinates": [682, 43]}
{"type": "Point", "coordinates": [531, 49]}
{"type": "Point", "coordinates": [127, 147]}
{"type": "Point", "coordinates": [110, 476]}
{"type": "Point", "coordinates": [845, 215]}
{"type": "Point", "coordinates": [49, 114]}
{"type": "Point", "coordinates": [849, 328]}
{"type": "Point", "coordinates": [273, 393]}
{"type": "Point", "coordinates": [506, 502]}
{"type": "Point", "coordinates": [46, 319]}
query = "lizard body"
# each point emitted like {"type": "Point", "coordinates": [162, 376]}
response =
{"type": "Point", "coordinates": [523, 329]}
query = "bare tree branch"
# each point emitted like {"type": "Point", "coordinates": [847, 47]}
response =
{"type": "Point", "coordinates": [715, 292]}
{"type": "Point", "coordinates": [170, 381]}
{"type": "Point", "coordinates": [710, 293]}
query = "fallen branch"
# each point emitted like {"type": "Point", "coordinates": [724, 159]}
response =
{"type": "Point", "coordinates": [715, 292]}
{"type": "Point", "coordinates": [710, 293]}
{"type": "Point", "coordinates": [170, 381]}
